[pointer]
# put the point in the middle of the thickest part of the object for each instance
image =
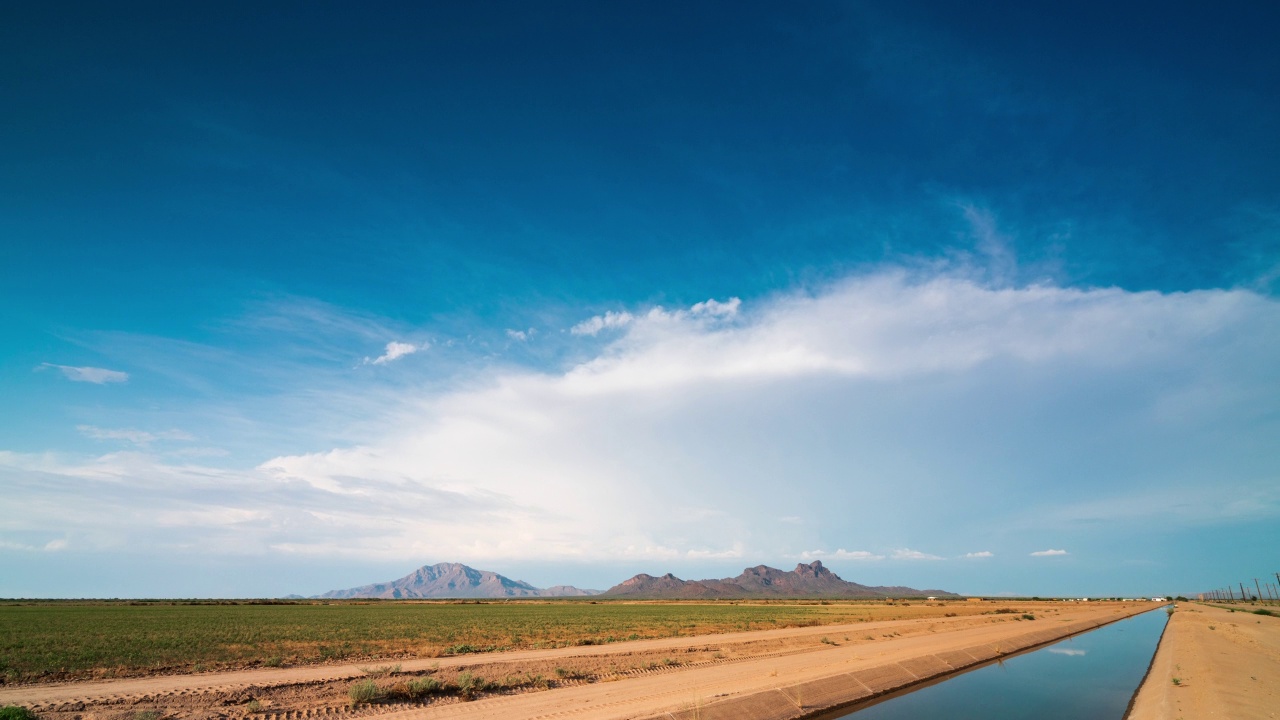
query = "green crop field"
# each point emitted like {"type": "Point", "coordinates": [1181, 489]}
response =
{"type": "Point", "coordinates": [64, 640]}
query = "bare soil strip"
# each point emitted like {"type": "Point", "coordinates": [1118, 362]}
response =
{"type": "Point", "coordinates": [1213, 663]}
{"type": "Point", "coordinates": [782, 673]}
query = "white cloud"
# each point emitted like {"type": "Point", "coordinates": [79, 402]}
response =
{"type": "Point", "coordinates": [714, 308]}
{"type": "Point", "coordinates": [705, 310]}
{"type": "Point", "coordinates": [95, 375]}
{"type": "Point", "coordinates": [908, 554]}
{"type": "Point", "coordinates": [609, 321]}
{"type": "Point", "coordinates": [1048, 553]}
{"type": "Point", "coordinates": [395, 351]}
{"type": "Point", "coordinates": [521, 335]}
{"type": "Point", "coordinates": [982, 554]}
{"type": "Point", "coordinates": [137, 437]}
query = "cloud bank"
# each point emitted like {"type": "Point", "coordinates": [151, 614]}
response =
{"type": "Point", "coordinates": [887, 411]}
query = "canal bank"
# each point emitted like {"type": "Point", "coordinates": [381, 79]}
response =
{"type": "Point", "coordinates": [861, 677]}
{"type": "Point", "coordinates": [1213, 663]}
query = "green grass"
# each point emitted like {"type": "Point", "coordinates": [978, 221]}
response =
{"type": "Point", "coordinates": [14, 712]}
{"type": "Point", "coordinates": [64, 640]}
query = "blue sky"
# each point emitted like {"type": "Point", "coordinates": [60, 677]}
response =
{"type": "Point", "coordinates": [304, 296]}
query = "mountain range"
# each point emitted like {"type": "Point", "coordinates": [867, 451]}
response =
{"type": "Point", "coordinates": [455, 580]}
{"type": "Point", "coordinates": [811, 580]}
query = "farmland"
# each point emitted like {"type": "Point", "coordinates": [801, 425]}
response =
{"type": "Point", "coordinates": [43, 641]}
{"type": "Point", "coordinates": [790, 647]}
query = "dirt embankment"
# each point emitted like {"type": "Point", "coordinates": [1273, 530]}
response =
{"type": "Point", "coordinates": [771, 674]}
{"type": "Point", "coordinates": [1212, 663]}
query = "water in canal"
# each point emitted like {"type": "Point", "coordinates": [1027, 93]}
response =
{"type": "Point", "coordinates": [1087, 676]}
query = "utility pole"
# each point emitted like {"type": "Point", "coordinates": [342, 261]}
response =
{"type": "Point", "coordinates": [1243, 597]}
{"type": "Point", "coordinates": [1255, 584]}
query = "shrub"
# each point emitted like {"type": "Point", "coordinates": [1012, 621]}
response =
{"type": "Point", "coordinates": [1263, 612]}
{"type": "Point", "coordinates": [365, 691]}
{"type": "Point", "coordinates": [469, 685]}
{"type": "Point", "coordinates": [423, 686]}
{"type": "Point", "coordinates": [1028, 616]}
{"type": "Point", "coordinates": [15, 712]}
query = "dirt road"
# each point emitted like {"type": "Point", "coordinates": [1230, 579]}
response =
{"type": "Point", "coordinates": [1213, 663]}
{"type": "Point", "coordinates": [769, 674]}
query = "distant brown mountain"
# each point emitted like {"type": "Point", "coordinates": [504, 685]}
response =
{"type": "Point", "coordinates": [454, 580]}
{"type": "Point", "coordinates": [811, 580]}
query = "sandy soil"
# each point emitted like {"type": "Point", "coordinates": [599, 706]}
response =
{"type": "Point", "coordinates": [761, 674]}
{"type": "Point", "coordinates": [1213, 663]}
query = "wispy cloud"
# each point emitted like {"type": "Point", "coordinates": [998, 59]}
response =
{"type": "Point", "coordinates": [137, 437]}
{"type": "Point", "coordinates": [95, 375]}
{"type": "Point", "coordinates": [521, 335]}
{"type": "Point", "coordinates": [51, 546]}
{"type": "Point", "coordinates": [908, 554]}
{"type": "Point", "coordinates": [1048, 553]}
{"type": "Point", "coordinates": [394, 351]}
{"type": "Point", "coordinates": [981, 554]}
{"type": "Point", "coordinates": [840, 554]}
{"type": "Point", "coordinates": [732, 553]}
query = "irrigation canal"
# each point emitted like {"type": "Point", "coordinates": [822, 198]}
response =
{"type": "Point", "coordinates": [1093, 675]}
